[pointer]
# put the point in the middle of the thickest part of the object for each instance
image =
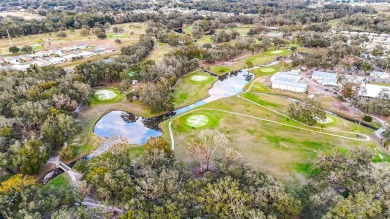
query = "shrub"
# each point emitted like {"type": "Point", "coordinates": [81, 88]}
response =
{"type": "Point", "coordinates": [367, 118]}
{"type": "Point", "coordinates": [62, 34]}
{"type": "Point", "coordinates": [101, 35]}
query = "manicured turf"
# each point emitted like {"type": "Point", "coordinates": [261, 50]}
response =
{"type": "Point", "coordinates": [117, 35]}
{"type": "Point", "coordinates": [96, 99]}
{"type": "Point", "coordinates": [105, 94]}
{"type": "Point", "coordinates": [197, 121]}
{"type": "Point", "coordinates": [59, 181]}
{"type": "Point", "coordinates": [188, 91]}
{"type": "Point", "coordinates": [257, 59]}
{"type": "Point", "coordinates": [199, 78]}
{"type": "Point", "coordinates": [220, 70]}
{"type": "Point", "coordinates": [277, 149]}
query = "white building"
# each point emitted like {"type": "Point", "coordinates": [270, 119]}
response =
{"type": "Point", "coordinates": [286, 76]}
{"type": "Point", "coordinates": [325, 78]}
{"type": "Point", "coordinates": [288, 81]}
{"type": "Point", "coordinates": [290, 86]}
{"type": "Point", "coordinates": [373, 90]}
{"type": "Point", "coordinates": [378, 74]}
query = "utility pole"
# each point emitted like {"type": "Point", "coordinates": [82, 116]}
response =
{"type": "Point", "coordinates": [9, 38]}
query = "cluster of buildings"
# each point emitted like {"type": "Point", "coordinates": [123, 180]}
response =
{"type": "Point", "coordinates": [375, 39]}
{"type": "Point", "coordinates": [290, 81]}
{"type": "Point", "coordinates": [51, 57]}
{"type": "Point", "coordinates": [367, 90]}
{"type": "Point", "coordinates": [294, 82]}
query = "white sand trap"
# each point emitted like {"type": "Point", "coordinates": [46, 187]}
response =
{"type": "Point", "coordinates": [326, 121]}
{"type": "Point", "coordinates": [199, 78]}
{"type": "Point", "coordinates": [197, 121]}
{"type": "Point", "coordinates": [267, 70]}
{"type": "Point", "coordinates": [105, 94]}
{"type": "Point", "coordinates": [277, 52]}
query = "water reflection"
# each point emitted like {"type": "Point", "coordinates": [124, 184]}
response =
{"type": "Point", "coordinates": [138, 129]}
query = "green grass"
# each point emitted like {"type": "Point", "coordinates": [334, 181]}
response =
{"type": "Point", "coordinates": [274, 148]}
{"type": "Point", "coordinates": [117, 35]}
{"type": "Point", "coordinates": [83, 150]}
{"type": "Point", "coordinates": [381, 84]}
{"type": "Point", "coordinates": [94, 100]}
{"type": "Point", "coordinates": [188, 91]}
{"type": "Point", "coordinates": [135, 151]}
{"type": "Point", "coordinates": [59, 181]}
{"type": "Point", "coordinates": [257, 59]}
{"type": "Point", "coordinates": [259, 87]}
{"type": "Point", "coordinates": [220, 70]}
{"type": "Point", "coordinates": [266, 71]}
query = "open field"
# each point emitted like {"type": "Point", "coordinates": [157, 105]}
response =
{"type": "Point", "coordinates": [265, 71]}
{"type": "Point", "coordinates": [159, 51]}
{"type": "Point", "coordinates": [74, 38]}
{"type": "Point", "coordinates": [188, 90]}
{"type": "Point", "coordinates": [278, 149]}
{"type": "Point", "coordinates": [257, 59]}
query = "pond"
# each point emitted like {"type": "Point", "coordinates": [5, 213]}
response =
{"type": "Point", "coordinates": [138, 129]}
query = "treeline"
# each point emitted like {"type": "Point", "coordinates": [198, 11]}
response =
{"type": "Point", "coordinates": [36, 115]}
{"type": "Point", "coordinates": [153, 184]}
{"type": "Point", "coordinates": [379, 24]}
{"type": "Point", "coordinates": [100, 73]}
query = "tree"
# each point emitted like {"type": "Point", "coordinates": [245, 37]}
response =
{"type": "Point", "coordinates": [157, 96]}
{"type": "Point", "coordinates": [118, 41]}
{"type": "Point", "coordinates": [56, 129]}
{"type": "Point", "coordinates": [32, 155]}
{"type": "Point", "coordinates": [366, 66]}
{"type": "Point", "coordinates": [249, 64]}
{"type": "Point", "coordinates": [102, 35]}
{"type": "Point", "coordinates": [27, 49]}
{"type": "Point", "coordinates": [14, 49]}
{"type": "Point", "coordinates": [350, 90]}
{"type": "Point", "coordinates": [359, 206]}
{"type": "Point", "coordinates": [158, 143]}
{"type": "Point", "coordinates": [62, 34]}
{"type": "Point", "coordinates": [84, 32]}
{"type": "Point", "coordinates": [203, 147]}
{"type": "Point", "coordinates": [307, 111]}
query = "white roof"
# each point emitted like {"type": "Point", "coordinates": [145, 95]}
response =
{"type": "Point", "coordinates": [291, 84]}
{"type": "Point", "coordinates": [285, 76]}
{"type": "Point", "coordinates": [379, 73]}
{"type": "Point", "coordinates": [373, 90]}
{"type": "Point", "coordinates": [322, 74]}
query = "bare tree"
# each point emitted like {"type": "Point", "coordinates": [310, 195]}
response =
{"type": "Point", "coordinates": [203, 147]}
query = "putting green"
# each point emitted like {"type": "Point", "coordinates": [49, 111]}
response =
{"type": "Point", "coordinates": [199, 78]}
{"type": "Point", "coordinates": [197, 121]}
{"type": "Point", "coordinates": [267, 70]}
{"type": "Point", "coordinates": [105, 94]}
{"type": "Point", "coordinates": [277, 52]}
{"type": "Point", "coordinates": [325, 121]}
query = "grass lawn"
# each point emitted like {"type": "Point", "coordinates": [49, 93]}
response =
{"type": "Point", "coordinates": [81, 151]}
{"type": "Point", "coordinates": [257, 59]}
{"type": "Point", "coordinates": [159, 52]}
{"type": "Point", "coordinates": [204, 39]}
{"type": "Point", "coordinates": [117, 35]}
{"type": "Point", "coordinates": [58, 182]}
{"type": "Point", "coordinates": [334, 22]}
{"type": "Point", "coordinates": [95, 100]}
{"type": "Point", "coordinates": [280, 150]}
{"type": "Point", "coordinates": [381, 84]}
{"type": "Point", "coordinates": [220, 70]}
{"type": "Point", "coordinates": [188, 90]}
{"type": "Point", "coordinates": [266, 71]}
{"type": "Point", "coordinates": [135, 151]}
